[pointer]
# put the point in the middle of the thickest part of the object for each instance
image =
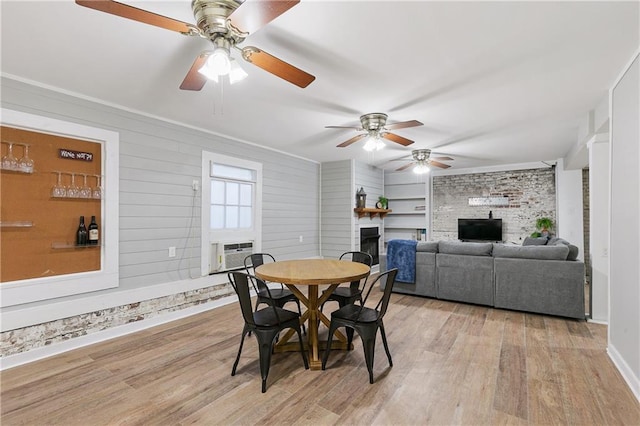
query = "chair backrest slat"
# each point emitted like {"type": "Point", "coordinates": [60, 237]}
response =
{"type": "Point", "coordinates": [240, 283]}
{"type": "Point", "coordinates": [254, 260]}
{"type": "Point", "coordinates": [360, 257]}
{"type": "Point", "coordinates": [389, 278]}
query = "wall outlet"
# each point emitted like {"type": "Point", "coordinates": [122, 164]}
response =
{"type": "Point", "coordinates": [301, 238]}
{"type": "Point", "coordinates": [195, 185]}
{"type": "Point", "coordinates": [172, 252]}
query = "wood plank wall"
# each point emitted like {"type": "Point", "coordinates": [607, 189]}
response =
{"type": "Point", "coordinates": [372, 180]}
{"type": "Point", "coordinates": [340, 226]}
{"type": "Point", "coordinates": [158, 163]}
{"type": "Point", "coordinates": [337, 207]}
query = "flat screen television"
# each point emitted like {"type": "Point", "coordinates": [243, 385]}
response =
{"type": "Point", "coordinates": [480, 229]}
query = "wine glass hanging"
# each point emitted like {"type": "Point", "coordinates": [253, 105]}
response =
{"type": "Point", "coordinates": [76, 189]}
{"type": "Point", "coordinates": [97, 190]}
{"type": "Point", "coordinates": [59, 190]}
{"type": "Point", "coordinates": [23, 164]}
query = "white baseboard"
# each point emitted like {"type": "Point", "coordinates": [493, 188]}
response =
{"type": "Point", "coordinates": [625, 370]}
{"type": "Point", "coordinates": [596, 321]}
{"type": "Point", "coordinates": [110, 333]}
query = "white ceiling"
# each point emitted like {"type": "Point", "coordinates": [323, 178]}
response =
{"type": "Point", "coordinates": [493, 82]}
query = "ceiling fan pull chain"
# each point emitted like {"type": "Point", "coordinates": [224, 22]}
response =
{"type": "Point", "coordinates": [222, 96]}
{"type": "Point", "coordinates": [215, 94]}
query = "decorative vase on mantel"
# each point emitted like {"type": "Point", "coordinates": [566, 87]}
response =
{"type": "Point", "coordinates": [383, 203]}
{"type": "Point", "coordinates": [361, 198]}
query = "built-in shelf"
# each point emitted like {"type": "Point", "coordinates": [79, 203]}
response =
{"type": "Point", "coordinates": [416, 212]}
{"type": "Point", "coordinates": [16, 224]}
{"type": "Point", "coordinates": [58, 246]}
{"type": "Point", "coordinates": [401, 227]}
{"type": "Point", "coordinates": [409, 197]}
{"type": "Point", "coordinates": [76, 198]}
{"type": "Point", "coordinates": [17, 171]}
{"type": "Point", "coordinates": [371, 212]}
{"type": "Point", "coordinates": [409, 201]}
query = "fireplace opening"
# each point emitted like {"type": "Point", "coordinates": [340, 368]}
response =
{"type": "Point", "coordinates": [369, 242]}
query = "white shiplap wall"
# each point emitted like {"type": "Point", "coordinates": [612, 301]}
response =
{"type": "Point", "coordinates": [337, 207]}
{"type": "Point", "coordinates": [372, 180]}
{"type": "Point", "coordinates": [158, 163]}
{"type": "Point", "coordinates": [340, 225]}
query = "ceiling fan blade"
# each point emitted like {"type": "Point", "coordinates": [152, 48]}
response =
{"type": "Point", "coordinates": [438, 164]}
{"type": "Point", "coordinates": [352, 140]}
{"type": "Point", "coordinates": [276, 66]}
{"type": "Point", "coordinates": [252, 15]}
{"type": "Point", "coordinates": [195, 80]}
{"type": "Point", "coordinates": [403, 125]}
{"type": "Point", "coordinates": [442, 158]}
{"type": "Point", "coordinates": [397, 139]}
{"type": "Point", "coordinates": [405, 167]}
{"type": "Point", "coordinates": [140, 15]}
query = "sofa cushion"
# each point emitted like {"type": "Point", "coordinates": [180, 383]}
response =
{"type": "Point", "coordinates": [573, 250]}
{"type": "Point", "coordinates": [530, 241]}
{"type": "Point", "coordinates": [429, 247]}
{"type": "Point", "coordinates": [557, 252]}
{"type": "Point", "coordinates": [465, 248]}
{"type": "Point", "coordinates": [465, 279]}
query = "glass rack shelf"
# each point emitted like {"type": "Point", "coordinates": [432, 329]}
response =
{"type": "Point", "coordinates": [16, 224]}
{"type": "Point", "coordinates": [66, 245]}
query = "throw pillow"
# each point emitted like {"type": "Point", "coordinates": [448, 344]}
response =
{"type": "Point", "coordinates": [558, 252]}
{"type": "Point", "coordinates": [465, 248]}
{"type": "Point", "coordinates": [531, 241]}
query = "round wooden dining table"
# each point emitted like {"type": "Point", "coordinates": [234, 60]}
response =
{"type": "Point", "coordinates": [312, 273]}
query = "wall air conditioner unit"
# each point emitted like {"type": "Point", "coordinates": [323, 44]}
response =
{"type": "Point", "coordinates": [227, 256]}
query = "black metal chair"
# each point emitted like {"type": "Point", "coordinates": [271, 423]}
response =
{"type": "Point", "coordinates": [275, 296]}
{"type": "Point", "coordinates": [265, 324]}
{"type": "Point", "coordinates": [365, 321]}
{"type": "Point", "coordinates": [353, 293]}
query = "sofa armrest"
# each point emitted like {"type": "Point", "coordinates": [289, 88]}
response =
{"type": "Point", "coordinates": [425, 284]}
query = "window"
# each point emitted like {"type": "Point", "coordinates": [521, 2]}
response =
{"type": "Point", "coordinates": [232, 194]}
{"type": "Point", "coordinates": [231, 204]}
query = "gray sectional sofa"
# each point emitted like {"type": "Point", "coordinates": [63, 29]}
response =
{"type": "Point", "coordinates": [541, 276]}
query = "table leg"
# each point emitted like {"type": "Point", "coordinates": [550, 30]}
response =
{"type": "Point", "coordinates": [312, 316]}
{"type": "Point", "coordinates": [312, 328]}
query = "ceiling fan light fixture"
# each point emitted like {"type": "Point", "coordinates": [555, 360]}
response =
{"type": "Point", "coordinates": [208, 72]}
{"type": "Point", "coordinates": [421, 169]}
{"type": "Point", "coordinates": [370, 145]}
{"type": "Point", "coordinates": [374, 142]}
{"type": "Point", "coordinates": [219, 61]}
{"type": "Point", "coordinates": [236, 73]}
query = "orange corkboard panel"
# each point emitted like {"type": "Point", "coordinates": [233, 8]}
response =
{"type": "Point", "coordinates": [38, 231]}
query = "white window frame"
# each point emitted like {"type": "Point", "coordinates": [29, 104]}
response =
{"type": "Point", "coordinates": [209, 235]}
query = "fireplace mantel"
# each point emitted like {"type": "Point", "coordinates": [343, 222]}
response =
{"type": "Point", "coordinates": [363, 211]}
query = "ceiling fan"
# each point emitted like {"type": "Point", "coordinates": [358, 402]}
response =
{"type": "Point", "coordinates": [376, 127]}
{"type": "Point", "coordinates": [422, 160]}
{"type": "Point", "coordinates": [226, 23]}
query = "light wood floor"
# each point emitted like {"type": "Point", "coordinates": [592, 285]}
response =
{"type": "Point", "coordinates": [453, 364]}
